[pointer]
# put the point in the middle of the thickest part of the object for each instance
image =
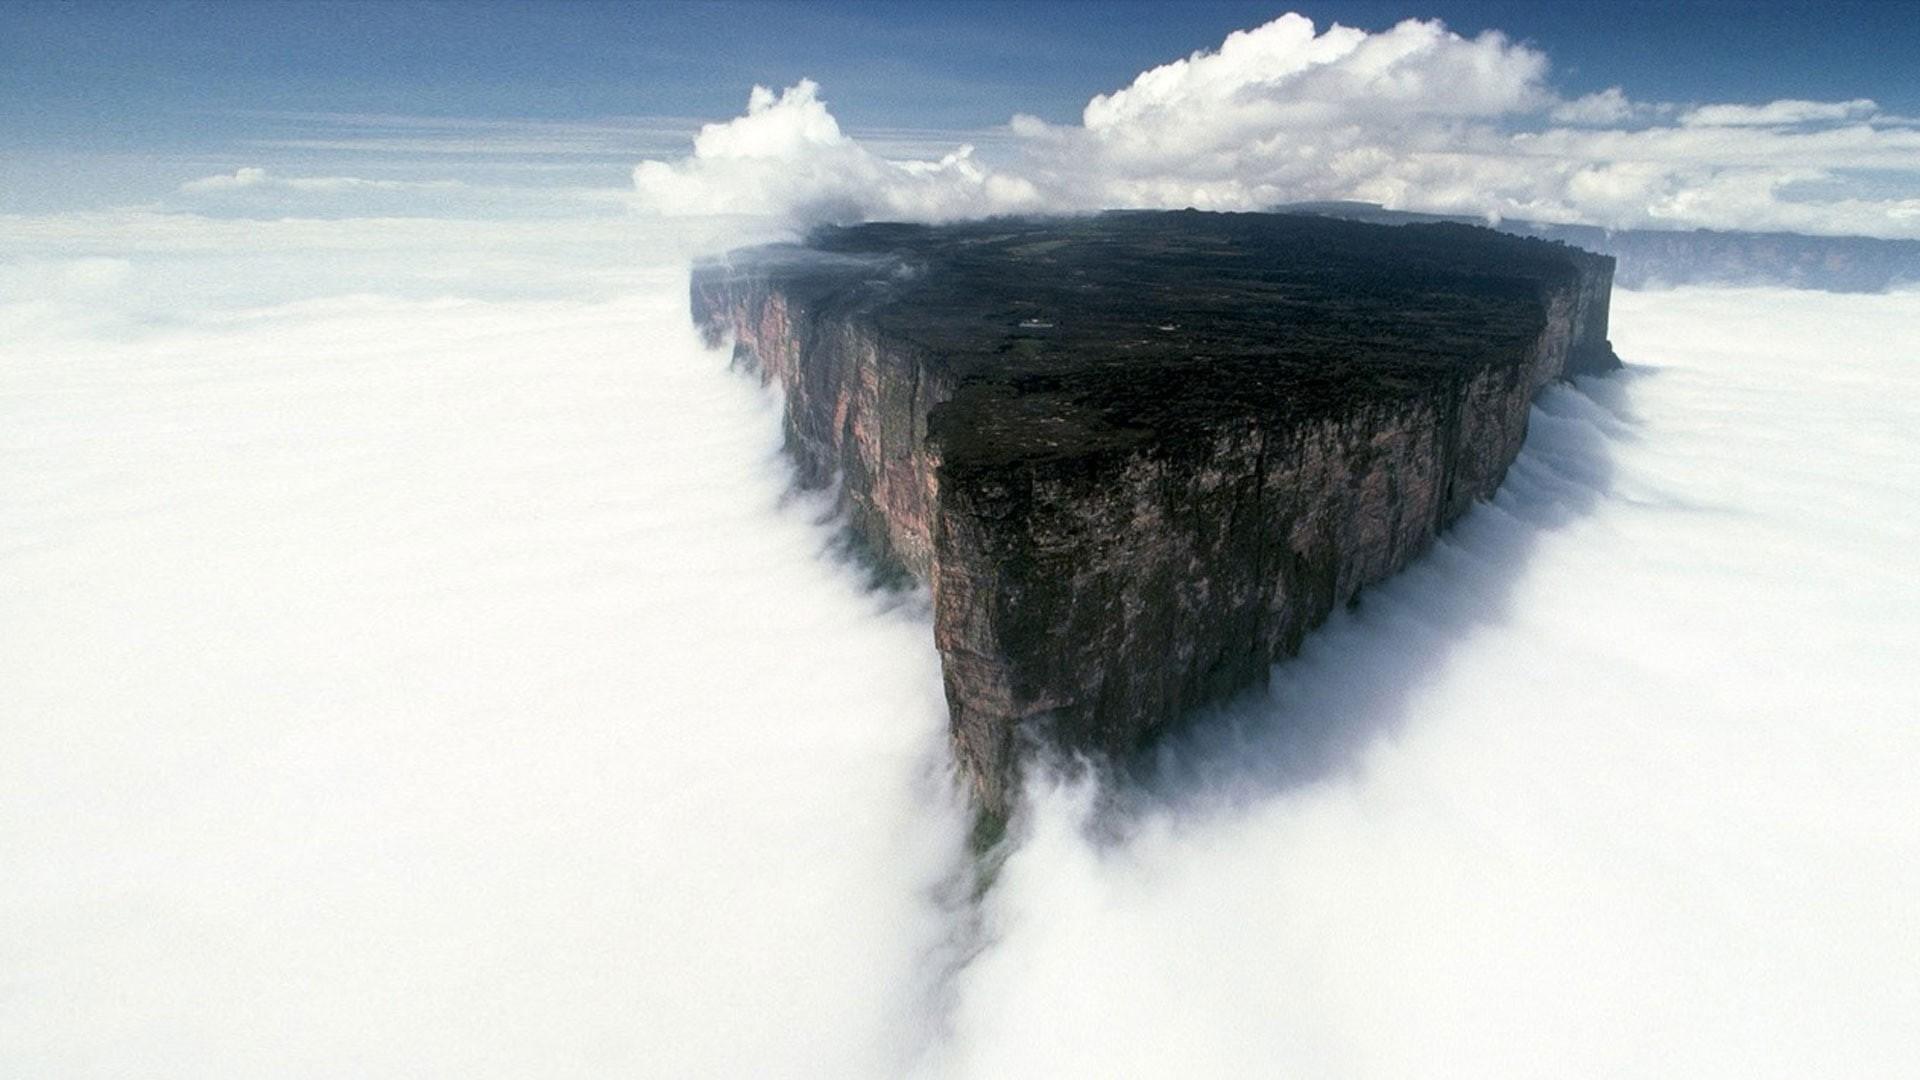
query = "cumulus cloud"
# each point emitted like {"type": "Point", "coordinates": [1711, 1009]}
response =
{"type": "Point", "coordinates": [1283, 113]}
{"type": "Point", "coordinates": [1285, 74]}
{"type": "Point", "coordinates": [1609, 106]}
{"type": "Point", "coordinates": [788, 157]}
{"type": "Point", "coordinates": [1414, 117]}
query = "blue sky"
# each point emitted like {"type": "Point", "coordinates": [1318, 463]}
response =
{"type": "Point", "coordinates": [109, 75]}
{"type": "Point", "coordinates": [105, 103]}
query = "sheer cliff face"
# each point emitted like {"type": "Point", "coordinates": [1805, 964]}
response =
{"type": "Point", "coordinates": [1129, 491]}
{"type": "Point", "coordinates": [855, 406]}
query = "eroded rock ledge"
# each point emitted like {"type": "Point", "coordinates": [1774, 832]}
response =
{"type": "Point", "coordinates": [1138, 456]}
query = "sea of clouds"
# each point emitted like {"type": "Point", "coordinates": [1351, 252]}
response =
{"type": "Point", "coordinates": [418, 663]}
{"type": "Point", "coordinates": [442, 686]}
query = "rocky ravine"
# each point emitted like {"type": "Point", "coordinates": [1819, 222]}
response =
{"type": "Point", "coordinates": [1138, 456]}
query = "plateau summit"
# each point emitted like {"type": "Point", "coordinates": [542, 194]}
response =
{"type": "Point", "coordinates": [1137, 456]}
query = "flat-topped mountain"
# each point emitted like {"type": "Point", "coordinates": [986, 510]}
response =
{"type": "Point", "coordinates": [1137, 456]}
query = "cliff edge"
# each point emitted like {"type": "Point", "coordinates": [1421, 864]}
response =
{"type": "Point", "coordinates": [1138, 456]}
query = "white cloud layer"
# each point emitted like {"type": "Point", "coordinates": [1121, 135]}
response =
{"type": "Point", "coordinates": [1414, 117]}
{"type": "Point", "coordinates": [438, 685]}
{"type": "Point", "coordinates": [1614, 783]}
{"type": "Point", "coordinates": [444, 683]}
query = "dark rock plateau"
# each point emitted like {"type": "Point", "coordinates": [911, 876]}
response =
{"type": "Point", "coordinates": [1136, 457]}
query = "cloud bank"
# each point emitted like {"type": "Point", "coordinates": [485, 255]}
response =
{"type": "Point", "coordinates": [1415, 117]}
{"type": "Point", "coordinates": [442, 685]}
{"type": "Point", "coordinates": [1614, 783]}
{"type": "Point", "coordinates": [413, 685]}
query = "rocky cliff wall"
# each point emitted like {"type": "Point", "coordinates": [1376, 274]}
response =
{"type": "Point", "coordinates": [1086, 600]}
{"type": "Point", "coordinates": [856, 405]}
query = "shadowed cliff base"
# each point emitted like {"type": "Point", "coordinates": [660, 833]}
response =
{"type": "Point", "coordinates": [1353, 686]}
{"type": "Point", "coordinates": [1354, 680]}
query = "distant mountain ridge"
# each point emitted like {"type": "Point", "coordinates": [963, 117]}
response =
{"type": "Point", "coordinates": [1656, 258]}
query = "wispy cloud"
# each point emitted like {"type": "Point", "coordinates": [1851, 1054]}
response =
{"type": "Point", "coordinates": [1784, 113]}
{"type": "Point", "coordinates": [253, 178]}
{"type": "Point", "coordinates": [391, 134]}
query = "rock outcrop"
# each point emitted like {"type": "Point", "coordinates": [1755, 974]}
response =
{"type": "Point", "coordinates": [1136, 457]}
